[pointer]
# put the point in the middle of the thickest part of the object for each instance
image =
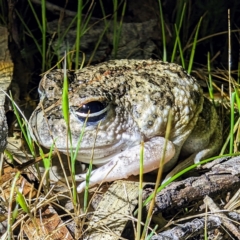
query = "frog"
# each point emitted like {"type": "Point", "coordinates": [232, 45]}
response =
{"type": "Point", "coordinates": [122, 109]}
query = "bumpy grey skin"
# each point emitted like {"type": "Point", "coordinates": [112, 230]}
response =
{"type": "Point", "coordinates": [135, 98]}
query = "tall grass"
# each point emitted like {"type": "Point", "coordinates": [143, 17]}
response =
{"type": "Point", "coordinates": [177, 27]}
{"type": "Point", "coordinates": [177, 43]}
{"type": "Point", "coordinates": [164, 57]}
{"type": "Point", "coordinates": [194, 47]}
{"type": "Point", "coordinates": [79, 23]}
{"type": "Point", "coordinates": [4, 12]}
{"type": "Point", "coordinates": [140, 195]}
{"type": "Point", "coordinates": [47, 54]}
{"type": "Point", "coordinates": [117, 25]}
{"type": "Point", "coordinates": [44, 31]}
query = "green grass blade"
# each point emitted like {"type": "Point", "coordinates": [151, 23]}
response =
{"type": "Point", "coordinates": [180, 7]}
{"type": "Point", "coordinates": [15, 213]}
{"type": "Point", "coordinates": [159, 175]}
{"type": "Point", "coordinates": [194, 47]}
{"type": "Point", "coordinates": [24, 128]}
{"type": "Point", "coordinates": [177, 40]}
{"type": "Point", "coordinates": [238, 76]}
{"type": "Point", "coordinates": [179, 47]}
{"type": "Point", "coordinates": [115, 24]}
{"type": "Point", "coordinates": [103, 12]}
{"type": "Point", "coordinates": [65, 111]}
{"type": "Point", "coordinates": [35, 15]}
{"type": "Point", "coordinates": [140, 191]}
{"type": "Point", "coordinates": [4, 12]}
{"type": "Point", "coordinates": [61, 36]}
{"type": "Point", "coordinates": [65, 101]}
{"type": "Point", "coordinates": [151, 233]}
{"type": "Point", "coordinates": [79, 22]}
{"type": "Point", "coordinates": [9, 225]}
{"type": "Point", "coordinates": [44, 37]}
{"type": "Point", "coordinates": [117, 29]}
{"type": "Point", "coordinates": [88, 175]}
{"type": "Point", "coordinates": [22, 201]}
{"type": "Point", "coordinates": [210, 86]}
{"type": "Point", "coordinates": [231, 147]}
{"type": "Point", "coordinates": [98, 42]}
{"type": "Point", "coordinates": [29, 32]}
{"type": "Point", "coordinates": [164, 58]}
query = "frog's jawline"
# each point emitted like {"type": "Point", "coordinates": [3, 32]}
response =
{"type": "Point", "coordinates": [102, 155]}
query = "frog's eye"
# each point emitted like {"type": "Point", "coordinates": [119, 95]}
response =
{"type": "Point", "coordinates": [94, 110]}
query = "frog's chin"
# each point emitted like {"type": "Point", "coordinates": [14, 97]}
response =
{"type": "Point", "coordinates": [103, 154]}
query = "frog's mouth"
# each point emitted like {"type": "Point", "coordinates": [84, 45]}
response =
{"type": "Point", "coordinates": [103, 154]}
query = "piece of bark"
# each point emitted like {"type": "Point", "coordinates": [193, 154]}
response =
{"type": "Point", "coordinates": [222, 178]}
{"type": "Point", "coordinates": [189, 229]}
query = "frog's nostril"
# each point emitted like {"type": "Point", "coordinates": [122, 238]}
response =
{"type": "Point", "coordinates": [94, 111]}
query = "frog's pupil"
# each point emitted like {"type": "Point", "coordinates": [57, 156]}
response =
{"type": "Point", "coordinates": [92, 107]}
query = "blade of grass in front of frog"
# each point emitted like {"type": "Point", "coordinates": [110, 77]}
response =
{"type": "Point", "coordinates": [65, 110]}
{"type": "Point", "coordinates": [177, 30]}
{"type": "Point", "coordinates": [194, 47]}
{"type": "Point", "coordinates": [159, 176]}
{"type": "Point", "coordinates": [140, 191]}
{"type": "Point", "coordinates": [88, 174]}
{"type": "Point", "coordinates": [15, 213]}
{"type": "Point", "coordinates": [164, 58]}
{"type": "Point", "coordinates": [10, 201]}
{"type": "Point", "coordinates": [65, 101]}
{"type": "Point", "coordinates": [47, 163]}
{"type": "Point", "coordinates": [74, 158]}
{"type": "Point", "coordinates": [80, 137]}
